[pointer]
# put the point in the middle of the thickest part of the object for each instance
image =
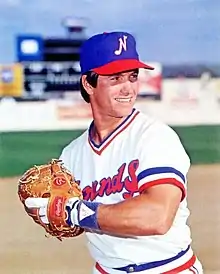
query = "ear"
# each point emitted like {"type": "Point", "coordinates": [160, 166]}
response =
{"type": "Point", "coordinates": [86, 85]}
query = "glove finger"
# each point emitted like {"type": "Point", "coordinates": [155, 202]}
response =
{"type": "Point", "coordinates": [44, 219]}
{"type": "Point", "coordinates": [42, 212]}
{"type": "Point", "coordinates": [36, 202]}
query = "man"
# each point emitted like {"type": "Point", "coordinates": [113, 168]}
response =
{"type": "Point", "coordinates": [134, 171]}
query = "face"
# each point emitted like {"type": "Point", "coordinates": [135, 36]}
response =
{"type": "Point", "coordinates": [115, 95]}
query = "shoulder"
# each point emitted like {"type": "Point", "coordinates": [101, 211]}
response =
{"type": "Point", "coordinates": [160, 146]}
{"type": "Point", "coordinates": [76, 143]}
{"type": "Point", "coordinates": [154, 129]}
{"type": "Point", "coordinates": [74, 146]}
{"type": "Point", "coordinates": [159, 138]}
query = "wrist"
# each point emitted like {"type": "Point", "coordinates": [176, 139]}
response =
{"type": "Point", "coordinates": [87, 214]}
{"type": "Point", "coordinates": [82, 213]}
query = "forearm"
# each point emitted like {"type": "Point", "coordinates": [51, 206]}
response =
{"type": "Point", "coordinates": [138, 216]}
{"type": "Point", "coordinates": [150, 213]}
{"type": "Point", "coordinates": [135, 217]}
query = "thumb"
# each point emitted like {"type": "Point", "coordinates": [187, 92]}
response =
{"type": "Point", "coordinates": [36, 202]}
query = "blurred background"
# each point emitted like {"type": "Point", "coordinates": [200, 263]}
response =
{"type": "Point", "coordinates": [41, 109]}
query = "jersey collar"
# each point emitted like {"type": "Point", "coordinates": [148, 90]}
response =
{"type": "Point", "coordinates": [98, 149]}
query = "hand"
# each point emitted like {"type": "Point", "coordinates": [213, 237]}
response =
{"type": "Point", "coordinates": [41, 204]}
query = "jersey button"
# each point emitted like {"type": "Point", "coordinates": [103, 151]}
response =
{"type": "Point", "coordinates": [130, 269]}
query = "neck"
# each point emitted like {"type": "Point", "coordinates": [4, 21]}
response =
{"type": "Point", "coordinates": [103, 126]}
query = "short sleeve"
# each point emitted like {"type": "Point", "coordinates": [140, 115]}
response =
{"type": "Point", "coordinates": [163, 159]}
{"type": "Point", "coordinates": [66, 156]}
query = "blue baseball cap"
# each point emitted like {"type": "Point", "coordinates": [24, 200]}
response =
{"type": "Point", "coordinates": [110, 53]}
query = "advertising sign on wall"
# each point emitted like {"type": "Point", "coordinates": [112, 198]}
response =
{"type": "Point", "coordinates": [11, 80]}
{"type": "Point", "coordinates": [151, 82]}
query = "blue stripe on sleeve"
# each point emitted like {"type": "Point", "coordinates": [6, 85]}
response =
{"type": "Point", "coordinates": [159, 170]}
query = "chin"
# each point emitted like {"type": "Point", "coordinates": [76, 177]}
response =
{"type": "Point", "coordinates": [123, 111]}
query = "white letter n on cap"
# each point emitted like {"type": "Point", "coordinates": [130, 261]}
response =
{"type": "Point", "coordinates": [122, 45]}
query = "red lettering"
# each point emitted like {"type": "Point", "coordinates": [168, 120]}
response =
{"type": "Point", "coordinates": [104, 185]}
{"type": "Point", "coordinates": [90, 193]}
{"type": "Point", "coordinates": [108, 186]}
{"type": "Point", "coordinates": [130, 181]}
{"type": "Point", "coordinates": [87, 193]}
{"type": "Point", "coordinates": [117, 184]}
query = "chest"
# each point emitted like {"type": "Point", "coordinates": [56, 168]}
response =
{"type": "Point", "coordinates": [110, 177]}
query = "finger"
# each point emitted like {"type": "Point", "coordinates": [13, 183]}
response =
{"type": "Point", "coordinates": [36, 202]}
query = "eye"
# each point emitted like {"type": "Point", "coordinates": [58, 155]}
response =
{"type": "Point", "coordinates": [133, 77]}
{"type": "Point", "coordinates": [115, 78]}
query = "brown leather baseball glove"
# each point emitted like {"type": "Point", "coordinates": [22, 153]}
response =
{"type": "Point", "coordinates": [55, 182]}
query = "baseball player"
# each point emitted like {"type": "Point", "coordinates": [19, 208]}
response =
{"type": "Point", "coordinates": [132, 169]}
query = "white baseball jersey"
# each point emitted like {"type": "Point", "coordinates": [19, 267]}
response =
{"type": "Point", "coordinates": [140, 153]}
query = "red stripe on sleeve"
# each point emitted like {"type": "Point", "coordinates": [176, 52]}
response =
{"type": "Point", "coordinates": [170, 181]}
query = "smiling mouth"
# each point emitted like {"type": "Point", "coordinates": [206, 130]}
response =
{"type": "Point", "coordinates": [123, 100]}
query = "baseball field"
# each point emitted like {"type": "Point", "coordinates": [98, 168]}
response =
{"type": "Point", "coordinates": [24, 248]}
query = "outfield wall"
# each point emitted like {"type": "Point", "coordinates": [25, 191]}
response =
{"type": "Point", "coordinates": [33, 133]}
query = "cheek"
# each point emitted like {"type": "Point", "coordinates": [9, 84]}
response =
{"type": "Point", "coordinates": [133, 89]}
{"type": "Point", "coordinates": [136, 87]}
{"type": "Point", "coordinates": [105, 96]}
{"type": "Point", "coordinates": [111, 92]}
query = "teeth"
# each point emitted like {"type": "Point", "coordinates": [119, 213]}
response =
{"type": "Point", "coordinates": [123, 99]}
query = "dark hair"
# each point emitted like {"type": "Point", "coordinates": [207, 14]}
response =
{"type": "Point", "coordinates": [92, 79]}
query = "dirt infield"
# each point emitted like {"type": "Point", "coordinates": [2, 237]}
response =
{"type": "Point", "coordinates": [25, 250]}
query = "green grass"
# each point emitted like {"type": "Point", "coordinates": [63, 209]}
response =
{"type": "Point", "coordinates": [21, 150]}
{"type": "Point", "coordinates": [201, 142]}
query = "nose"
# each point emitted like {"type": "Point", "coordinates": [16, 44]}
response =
{"type": "Point", "coordinates": [126, 87]}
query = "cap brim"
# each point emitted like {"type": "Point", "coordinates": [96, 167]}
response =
{"type": "Point", "coordinates": [120, 66]}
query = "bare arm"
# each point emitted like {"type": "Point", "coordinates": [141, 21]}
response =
{"type": "Point", "coordinates": [151, 213]}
